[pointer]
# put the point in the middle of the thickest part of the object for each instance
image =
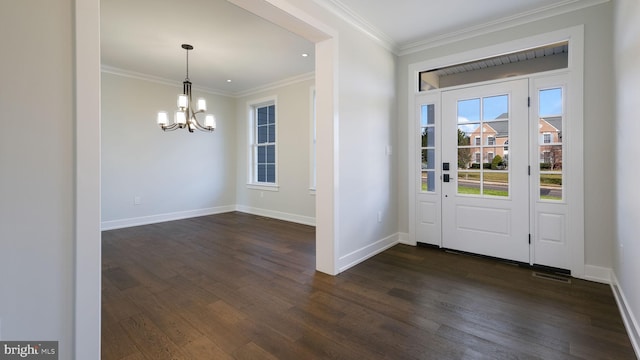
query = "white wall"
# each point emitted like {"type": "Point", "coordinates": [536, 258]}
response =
{"type": "Point", "coordinates": [175, 174]}
{"type": "Point", "coordinates": [598, 102]}
{"type": "Point", "coordinates": [356, 125]}
{"type": "Point", "coordinates": [37, 238]}
{"type": "Point", "coordinates": [627, 75]}
{"type": "Point", "coordinates": [367, 175]}
{"type": "Point", "coordinates": [293, 201]}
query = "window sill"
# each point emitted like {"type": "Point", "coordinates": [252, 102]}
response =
{"type": "Point", "coordinates": [263, 187]}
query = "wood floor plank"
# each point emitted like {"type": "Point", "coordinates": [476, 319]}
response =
{"type": "Point", "coordinates": [238, 286]}
{"type": "Point", "coordinates": [204, 348]}
{"type": "Point", "coordinates": [173, 326]}
{"type": "Point", "coordinates": [251, 351]}
{"type": "Point", "coordinates": [151, 341]}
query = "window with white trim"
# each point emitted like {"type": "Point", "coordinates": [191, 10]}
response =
{"type": "Point", "coordinates": [263, 143]}
{"type": "Point", "coordinates": [546, 138]}
{"type": "Point", "coordinates": [476, 141]}
{"type": "Point", "coordinates": [491, 140]}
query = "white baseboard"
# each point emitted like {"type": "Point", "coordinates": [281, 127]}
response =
{"type": "Point", "coordinates": [305, 220]}
{"type": "Point", "coordinates": [403, 238]}
{"type": "Point", "coordinates": [629, 319]}
{"type": "Point", "coordinates": [153, 219]}
{"type": "Point", "coordinates": [597, 273]}
{"type": "Point", "coordinates": [347, 261]}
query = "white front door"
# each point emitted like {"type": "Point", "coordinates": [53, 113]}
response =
{"type": "Point", "coordinates": [485, 170]}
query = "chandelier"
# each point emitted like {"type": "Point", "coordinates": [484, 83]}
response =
{"type": "Point", "coordinates": [185, 117]}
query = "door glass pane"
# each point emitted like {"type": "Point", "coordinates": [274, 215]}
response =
{"type": "Point", "coordinates": [465, 133]}
{"type": "Point", "coordinates": [428, 159]}
{"type": "Point", "coordinates": [428, 136]}
{"type": "Point", "coordinates": [427, 148]}
{"type": "Point", "coordinates": [495, 107]}
{"type": "Point", "coordinates": [468, 111]}
{"type": "Point", "coordinates": [483, 146]}
{"type": "Point", "coordinates": [427, 116]}
{"type": "Point", "coordinates": [550, 147]}
{"type": "Point", "coordinates": [469, 182]}
{"type": "Point", "coordinates": [428, 180]}
{"type": "Point", "coordinates": [466, 158]}
{"type": "Point", "coordinates": [495, 183]}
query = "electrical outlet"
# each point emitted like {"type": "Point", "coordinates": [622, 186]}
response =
{"type": "Point", "coordinates": [137, 200]}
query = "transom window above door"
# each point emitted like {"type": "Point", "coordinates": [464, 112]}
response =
{"type": "Point", "coordinates": [524, 62]}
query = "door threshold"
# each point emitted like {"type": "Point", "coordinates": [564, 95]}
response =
{"type": "Point", "coordinates": [541, 269]}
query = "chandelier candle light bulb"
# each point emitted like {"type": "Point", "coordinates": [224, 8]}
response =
{"type": "Point", "coordinates": [182, 101]}
{"type": "Point", "coordinates": [163, 119]}
{"type": "Point", "coordinates": [186, 117]}
{"type": "Point", "coordinates": [202, 104]}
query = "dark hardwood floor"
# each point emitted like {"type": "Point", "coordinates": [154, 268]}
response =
{"type": "Point", "coordinates": [238, 286]}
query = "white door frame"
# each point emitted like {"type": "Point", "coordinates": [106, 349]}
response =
{"type": "Point", "coordinates": [574, 192]}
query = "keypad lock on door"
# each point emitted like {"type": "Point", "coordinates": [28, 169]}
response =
{"type": "Point", "coordinates": [445, 167]}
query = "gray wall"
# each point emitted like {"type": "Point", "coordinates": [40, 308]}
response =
{"type": "Point", "coordinates": [37, 238]}
{"type": "Point", "coordinates": [293, 199]}
{"type": "Point", "coordinates": [627, 127]}
{"type": "Point", "coordinates": [598, 118]}
{"type": "Point", "coordinates": [172, 172]}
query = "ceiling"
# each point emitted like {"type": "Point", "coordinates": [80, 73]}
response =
{"type": "Point", "coordinates": [405, 22]}
{"type": "Point", "coordinates": [143, 37]}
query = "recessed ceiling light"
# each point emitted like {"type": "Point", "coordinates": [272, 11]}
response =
{"type": "Point", "coordinates": [228, 80]}
{"type": "Point", "coordinates": [305, 55]}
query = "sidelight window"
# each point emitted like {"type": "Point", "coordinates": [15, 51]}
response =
{"type": "Point", "coordinates": [550, 145]}
{"type": "Point", "coordinates": [427, 148]}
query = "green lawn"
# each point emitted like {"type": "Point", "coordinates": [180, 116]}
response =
{"type": "Point", "coordinates": [498, 177]}
{"type": "Point", "coordinates": [468, 190]}
{"type": "Point", "coordinates": [548, 180]}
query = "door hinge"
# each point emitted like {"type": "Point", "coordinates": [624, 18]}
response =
{"type": "Point", "coordinates": [529, 170]}
{"type": "Point", "coordinates": [529, 238]}
{"type": "Point", "coordinates": [529, 101]}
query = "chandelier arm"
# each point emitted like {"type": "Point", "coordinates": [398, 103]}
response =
{"type": "Point", "coordinates": [171, 127]}
{"type": "Point", "coordinates": [197, 124]}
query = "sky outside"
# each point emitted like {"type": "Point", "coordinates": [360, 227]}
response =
{"type": "Point", "coordinates": [493, 107]}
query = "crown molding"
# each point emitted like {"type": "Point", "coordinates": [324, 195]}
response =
{"type": "Point", "coordinates": [158, 80]}
{"type": "Point", "coordinates": [278, 84]}
{"type": "Point", "coordinates": [352, 18]}
{"type": "Point", "coordinates": [558, 8]}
